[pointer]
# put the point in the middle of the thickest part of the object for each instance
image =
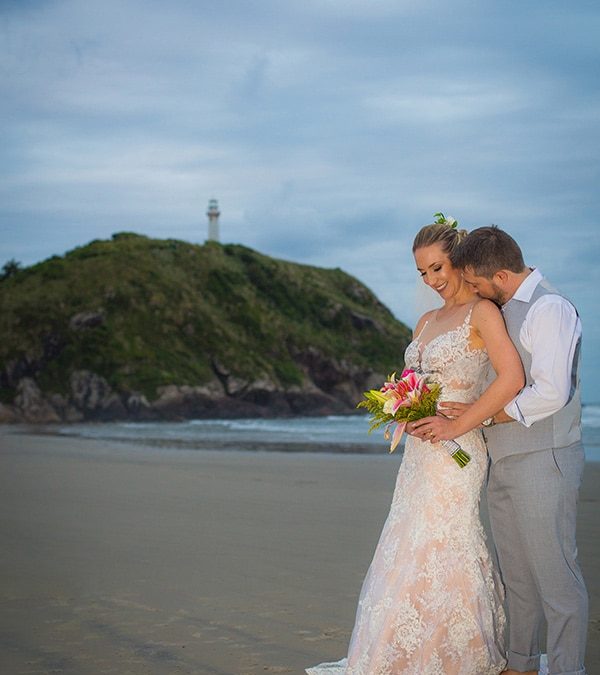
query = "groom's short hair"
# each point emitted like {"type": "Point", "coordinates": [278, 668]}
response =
{"type": "Point", "coordinates": [488, 250]}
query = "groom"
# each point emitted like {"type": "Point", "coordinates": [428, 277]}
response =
{"type": "Point", "coordinates": [536, 458]}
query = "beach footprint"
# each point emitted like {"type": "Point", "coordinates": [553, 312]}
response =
{"type": "Point", "coordinates": [325, 634]}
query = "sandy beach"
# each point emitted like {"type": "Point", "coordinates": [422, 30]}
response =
{"type": "Point", "coordinates": [132, 560]}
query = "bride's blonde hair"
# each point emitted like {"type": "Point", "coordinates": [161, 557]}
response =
{"type": "Point", "coordinates": [445, 235]}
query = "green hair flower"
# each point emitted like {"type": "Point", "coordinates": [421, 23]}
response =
{"type": "Point", "coordinates": [442, 220]}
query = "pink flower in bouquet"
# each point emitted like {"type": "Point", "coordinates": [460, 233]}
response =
{"type": "Point", "coordinates": [404, 392]}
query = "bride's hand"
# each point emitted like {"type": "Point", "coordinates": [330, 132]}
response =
{"type": "Point", "coordinates": [434, 429]}
{"type": "Point", "coordinates": [416, 429]}
{"type": "Point", "coordinates": [410, 430]}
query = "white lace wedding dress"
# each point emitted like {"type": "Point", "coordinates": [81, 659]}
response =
{"type": "Point", "coordinates": [431, 602]}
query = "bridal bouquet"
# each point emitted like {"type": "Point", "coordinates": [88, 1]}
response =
{"type": "Point", "coordinates": [403, 400]}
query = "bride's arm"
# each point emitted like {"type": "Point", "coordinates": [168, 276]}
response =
{"type": "Point", "coordinates": [489, 326]}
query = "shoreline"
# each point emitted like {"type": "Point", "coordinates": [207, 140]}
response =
{"type": "Point", "coordinates": [372, 448]}
{"type": "Point", "coordinates": [126, 558]}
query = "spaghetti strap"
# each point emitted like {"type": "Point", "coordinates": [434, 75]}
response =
{"type": "Point", "coordinates": [468, 315]}
{"type": "Point", "coordinates": [422, 329]}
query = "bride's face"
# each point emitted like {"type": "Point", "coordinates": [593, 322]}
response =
{"type": "Point", "coordinates": [436, 270]}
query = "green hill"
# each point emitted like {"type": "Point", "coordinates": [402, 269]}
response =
{"type": "Point", "coordinates": [139, 327]}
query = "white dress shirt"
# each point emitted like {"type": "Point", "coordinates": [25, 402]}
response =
{"type": "Point", "coordinates": [550, 334]}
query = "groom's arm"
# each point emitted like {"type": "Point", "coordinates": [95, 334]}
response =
{"type": "Point", "coordinates": [501, 417]}
{"type": "Point", "coordinates": [453, 409]}
{"type": "Point", "coordinates": [550, 333]}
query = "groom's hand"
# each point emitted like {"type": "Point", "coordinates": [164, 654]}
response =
{"type": "Point", "coordinates": [453, 409]}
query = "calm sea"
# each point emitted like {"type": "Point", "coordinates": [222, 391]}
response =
{"type": "Point", "coordinates": [301, 434]}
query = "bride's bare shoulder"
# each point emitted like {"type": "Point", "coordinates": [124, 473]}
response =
{"type": "Point", "coordinates": [485, 310]}
{"type": "Point", "coordinates": [485, 305]}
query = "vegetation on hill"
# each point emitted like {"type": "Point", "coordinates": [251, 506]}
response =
{"type": "Point", "coordinates": [145, 313]}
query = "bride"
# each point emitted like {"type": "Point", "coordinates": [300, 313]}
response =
{"type": "Point", "coordinates": [431, 602]}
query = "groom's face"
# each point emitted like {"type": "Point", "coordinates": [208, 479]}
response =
{"type": "Point", "coordinates": [486, 288]}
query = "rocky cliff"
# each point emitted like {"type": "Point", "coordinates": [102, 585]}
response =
{"type": "Point", "coordinates": [139, 328]}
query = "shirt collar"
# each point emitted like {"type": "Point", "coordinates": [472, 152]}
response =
{"type": "Point", "coordinates": [528, 285]}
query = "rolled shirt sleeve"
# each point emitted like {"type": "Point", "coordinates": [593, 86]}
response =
{"type": "Point", "coordinates": [550, 333]}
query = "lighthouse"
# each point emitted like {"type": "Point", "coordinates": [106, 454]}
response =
{"type": "Point", "coordinates": [213, 214]}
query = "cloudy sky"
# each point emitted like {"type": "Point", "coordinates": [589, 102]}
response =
{"type": "Point", "coordinates": [329, 130]}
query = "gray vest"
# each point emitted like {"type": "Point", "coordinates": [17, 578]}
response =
{"type": "Point", "coordinates": [556, 431]}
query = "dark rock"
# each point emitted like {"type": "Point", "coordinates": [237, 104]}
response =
{"type": "Point", "coordinates": [223, 374]}
{"type": "Point", "coordinates": [220, 369]}
{"type": "Point", "coordinates": [362, 322]}
{"type": "Point", "coordinates": [330, 386]}
{"type": "Point", "coordinates": [29, 365]}
{"type": "Point", "coordinates": [8, 415]}
{"type": "Point", "coordinates": [86, 320]}
{"type": "Point", "coordinates": [325, 371]}
{"type": "Point", "coordinates": [32, 405]}
{"type": "Point", "coordinates": [184, 401]}
{"type": "Point", "coordinates": [65, 410]}
{"type": "Point", "coordinates": [266, 395]}
{"type": "Point", "coordinates": [14, 370]}
{"type": "Point", "coordinates": [93, 396]}
{"type": "Point", "coordinates": [235, 386]}
{"type": "Point", "coordinates": [306, 403]}
{"type": "Point", "coordinates": [137, 405]}
{"type": "Point", "coordinates": [360, 293]}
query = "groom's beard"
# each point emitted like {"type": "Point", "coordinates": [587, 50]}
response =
{"type": "Point", "coordinates": [500, 297]}
{"type": "Point", "coordinates": [495, 294]}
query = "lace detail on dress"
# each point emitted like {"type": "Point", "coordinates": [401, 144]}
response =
{"type": "Point", "coordinates": [450, 360]}
{"type": "Point", "coordinates": [431, 602]}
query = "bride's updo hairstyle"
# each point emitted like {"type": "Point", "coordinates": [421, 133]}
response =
{"type": "Point", "coordinates": [444, 234]}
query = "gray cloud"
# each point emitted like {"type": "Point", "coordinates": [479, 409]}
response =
{"type": "Point", "coordinates": [329, 130]}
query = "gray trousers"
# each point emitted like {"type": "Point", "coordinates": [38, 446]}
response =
{"type": "Point", "coordinates": [532, 503]}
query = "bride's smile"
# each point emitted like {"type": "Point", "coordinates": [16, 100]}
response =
{"type": "Point", "coordinates": [437, 272]}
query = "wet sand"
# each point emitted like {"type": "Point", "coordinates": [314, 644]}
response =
{"type": "Point", "coordinates": [128, 560]}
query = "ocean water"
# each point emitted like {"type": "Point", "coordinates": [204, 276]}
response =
{"type": "Point", "coordinates": [334, 433]}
